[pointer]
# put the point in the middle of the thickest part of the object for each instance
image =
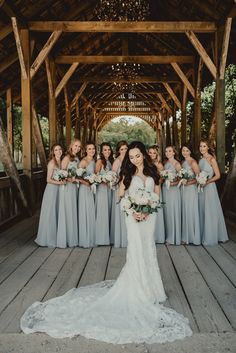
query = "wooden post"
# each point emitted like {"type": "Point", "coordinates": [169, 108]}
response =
{"type": "Point", "coordinates": [168, 135]}
{"type": "Point", "coordinates": [184, 116]}
{"type": "Point", "coordinates": [220, 123]}
{"type": "Point", "coordinates": [10, 120]}
{"type": "Point", "coordinates": [197, 107]}
{"type": "Point", "coordinates": [51, 75]}
{"type": "Point", "coordinates": [26, 115]}
{"type": "Point", "coordinates": [68, 117]}
{"type": "Point", "coordinates": [38, 138]}
{"type": "Point", "coordinates": [77, 120]}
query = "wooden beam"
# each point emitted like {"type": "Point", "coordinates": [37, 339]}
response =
{"type": "Point", "coordinates": [113, 59]}
{"type": "Point", "coordinates": [197, 106]}
{"type": "Point", "coordinates": [184, 116]}
{"type": "Point", "coordinates": [9, 119]}
{"type": "Point", "coordinates": [68, 117]}
{"type": "Point", "coordinates": [19, 47]}
{"type": "Point", "coordinates": [164, 102]}
{"type": "Point", "coordinates": [184, 78]}
{"type": "Point", "coordinates": [225, 47]}
{"type": "Point", "coordinates": [78, 94]}
{"type": "Point", "coordinates": [139, 79]}
{"type": "Point", "coordinates": [38, 138]}
{"type": "Point", "coordinates": [66, 78]}
{"type": "Point", "coordinates": [44, 52]}
{"type": "Point", "coordinates": [52, 114]}
{"type": "Point", "coordinates": [11, 59]}
{"type": "Point", "coordinates": [4, 31]}
{"type": "Point", "coordinates": [202, 52]}
{"type": "Point", "coordinates": [123, 27]}
{"type": "Point", "coordinates": [172, 94]}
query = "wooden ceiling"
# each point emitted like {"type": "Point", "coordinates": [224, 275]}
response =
{"type": "Point", "coordinates": [89, 49]}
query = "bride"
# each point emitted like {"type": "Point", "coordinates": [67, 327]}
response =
{"type": "Point", "coordinates": [128, 309]}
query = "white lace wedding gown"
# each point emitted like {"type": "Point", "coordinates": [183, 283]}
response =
{"type": "Point", "coordinates": [122, 311]}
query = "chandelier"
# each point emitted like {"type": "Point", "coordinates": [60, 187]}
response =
{"type": "Point", "coordinates": [127, 71]}
{"type": "Point", "coordinates": [122, 10]}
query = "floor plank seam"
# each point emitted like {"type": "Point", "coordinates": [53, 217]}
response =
{"type": "Point", "coordinates": [108, 260]}
{"type": "Point", "coordinates": [85, 265]}
{"type": "Point", "coordinates": [222, 245]}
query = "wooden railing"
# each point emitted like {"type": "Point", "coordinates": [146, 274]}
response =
{"type": "Point", "coordinates": [9, 208]}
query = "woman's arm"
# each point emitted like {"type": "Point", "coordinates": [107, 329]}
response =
{"type": "Point", "coordinates": [196, 170]}
{"type": "Point", "coordinates": [157, 190]}
{"type": "Point", "coordinates": [121, 190]}
{"type": "Point", "coordinates": [50, 171]}
{"type": "Point", "coordinates": [83, 164]}
{"type": "Point", "coordinates": [98, 166]}
{"type": "Point", "coordinates": [215, 167]}
{"type": "Point", "coordinates": [116, 165]}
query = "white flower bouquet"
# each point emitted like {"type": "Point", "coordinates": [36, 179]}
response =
{"type": "Point", "coordinates": [60, 175]}
{"type": "Point", "coordinates": [141, 202]}
{"type": "Point", "coordinates": [169, 177]}
{"type": "Point", "coordinates": [202, 178]}
{"type": "Point", "coordinates": [110, 178]}
{"type": "Point", "coordinates": [185, 175]}
{"type": "Point", "coordinates": [71, 172]}
{"type": "Point", "coordinates": [93, 179]}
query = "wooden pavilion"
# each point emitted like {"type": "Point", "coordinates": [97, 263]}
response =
{"type": "Point", "coordinates": [56, 57]}
{"type": "Point", "coordinates": [55, 61]}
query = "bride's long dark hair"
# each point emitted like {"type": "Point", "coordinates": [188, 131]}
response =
{"type": "Point", "coordinates": [128, 169]}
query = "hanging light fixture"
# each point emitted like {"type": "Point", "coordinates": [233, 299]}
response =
{"type": "Point", "coordinates": [122, 10]}
{"type": "Point", "coordinates": [127, 71]}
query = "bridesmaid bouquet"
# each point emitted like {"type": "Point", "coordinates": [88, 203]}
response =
{"type": "Point", "coordinates": [201, 178]}
{"type": "Point", "coordinates": [93, 179]}
{"type": "Point", "coordinates": [141, 202]}
{"type": "Point", "coordinates": [110, 178]}
{"type": "Point", "coordinates": [60, 175]}
{"type": "Point", "coordinates": [185, 175]}
{"type": "Point", "coordinates": [169, 177]}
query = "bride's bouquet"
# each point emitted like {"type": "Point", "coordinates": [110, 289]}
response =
{"type": "Point", "coordinates": [185, 175]}
{"type": "Point", "coordinates": [141, 202]}
{"type": "Point", "coordinates": [110, 178]}
{"type": "Point", "coordinates": [94, 180]}
{"type": "Point", "coordinates": [169, 176]}
{"type": "Point", "coordinates": [201, 178]}
{"type": "Point", "coordinates": [60, 175]}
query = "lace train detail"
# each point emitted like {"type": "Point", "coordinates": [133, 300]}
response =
{"type": "Point", "coordinates": [123, 311]}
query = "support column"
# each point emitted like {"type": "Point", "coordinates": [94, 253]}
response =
{"type": "Point", "coordinates": [168, 135]}
{"type": "Point", "coordinates": [184, 116]}
{"type": "Point", "coordinates": [197, 107]}
{"type": "Point", "coordinates": [220, 123]}
{"type": "Point", "coordinates": [10, 121]}
{"type": "Point", "coordinates": [52, 114]}
{"type": "Point", "coordinates": [26, 114]}
{"type": "Point", "coordinates": [68, 117]}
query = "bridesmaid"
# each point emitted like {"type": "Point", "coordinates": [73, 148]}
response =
{"type": "Point", "coordinates": [67, 234]}
{"type": "Point", "coordinates": [189, 194]}
{"type": "Point", "coordinates": [172, 199]}
{"type": "Point", "coordinates": [103, 197]}
{"type": "Point", "coordinates": [86, 202]}
{"type": "Point", "coordinates": [118, 226]}
{"type": "Point", "coordinates": [47, 231]}
{"type": "Point", "coordinates": [160, 227]}
{"type": "Point", "coordinates": [212, 223]}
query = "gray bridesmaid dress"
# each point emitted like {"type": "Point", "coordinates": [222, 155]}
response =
{"type": "Point", "coordinates": [103, 211]}
{"type": "Point", "coordinates": [212, 223]}
{"type": "Point", "coordinates": [190, 212]}
{"type": "Point", "coordinates": [172, 211]}
{"type": "Point", "coordinates": [67, 233]}
{"type": "Point", "coordinates": [86, 212]}
{"type": "Point", "coordinates": [118, 225]}
{"type": "Point", "coordinates": [159, 234]}
{"type": "Point", "coordinates": [47, 230]}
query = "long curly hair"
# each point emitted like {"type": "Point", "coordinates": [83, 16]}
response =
{"type": "Point", "coordinates": [85, 147]}
{"type": "Point", "coordinates": [128, 169]}
{"type": "Point", "coordinates": [52, 154]}
{"type": "Point", "coordinates": [210, 147]}
{"type": "Point", "coordinates": [69, 151]}
{"type": "Point", "coordinates": [103, 159]}
{"type": "Point", "coordinates": [176, 156]}
{"type": "Point", "coordinates": [189, 147]}
{"type": "Point", "coordinates": [119, 145]}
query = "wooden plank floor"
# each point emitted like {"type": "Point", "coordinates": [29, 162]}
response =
{"type": "Point", "coordinates": [200, 282]}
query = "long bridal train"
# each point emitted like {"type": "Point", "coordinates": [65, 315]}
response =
{"type": "Point", "coordinates": [122, 311]}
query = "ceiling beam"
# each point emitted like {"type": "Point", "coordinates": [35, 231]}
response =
{"type": "Point", "coordinates": [123, 27]}
{"type": "Point", "coordinates": [225, 47]}
{"type": "Point", "coordinates": [66, 78]}
{"type": "Point", "coordinates": [184, 78]}
{"type": "Point", "coordinates": [19, 47]}
{"type": "Point", "coordinates": [172, 94]}
{"type": "Point", "coordinates": [113, 59]}
{"type": "Point", "coordinates": [138, 79]}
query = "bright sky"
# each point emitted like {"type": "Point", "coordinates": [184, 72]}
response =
{"type": "Point", "coordinates": [131, 119]}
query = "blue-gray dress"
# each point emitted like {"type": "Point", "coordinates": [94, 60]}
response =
{"type": "Point", "coordinates": [190, 213]}
{"type": "Point", "coordinates": [172, 210]}
{"type": "Point", "coordinates": [87, 212]}
{"type": "Point", "coordinates": [212, 223]}
{"type": "Point", "coordinates": [67, 233]}
{"type": "Point", "coordinates": [159, 234]}
{"type": "Point", "coordinates": [47, 230]}
{"type": "Point", "coordinates": [103, 211]}
{"type": "Point", "coordinates": [118, 225]}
